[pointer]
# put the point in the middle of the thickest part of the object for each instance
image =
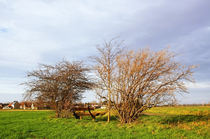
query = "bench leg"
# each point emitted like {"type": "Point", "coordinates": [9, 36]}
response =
{"type": "Point", "coordinates": [75, 115]}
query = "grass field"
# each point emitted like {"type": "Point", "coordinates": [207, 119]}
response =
{"type": "Point", "coordinates": [160, 122]}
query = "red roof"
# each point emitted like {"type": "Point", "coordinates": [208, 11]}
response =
{"type": "Point", "coordinates": [10, 105]}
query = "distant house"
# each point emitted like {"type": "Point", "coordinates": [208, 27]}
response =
{"type": "Point", "coordinates": [28, 106]}
{"type": "Point", "coordinates": [1, 106]}
{"type": "Point", "coordinates": [14, 105]}
{"type": "Point", "coordinates": [4, 106]}
{"type": "Point", "coordinates": [103, 107]}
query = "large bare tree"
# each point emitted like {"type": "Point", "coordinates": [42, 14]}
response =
{"type": "Point", "coordinates": [140, 80]}
{"type": "Point", "coordinates": [59, 85]}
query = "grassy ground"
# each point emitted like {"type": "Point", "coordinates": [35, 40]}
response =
{"type": "Point", "coordinates": [160, 122]}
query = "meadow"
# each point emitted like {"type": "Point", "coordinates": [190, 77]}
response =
{"type": "Point", "coordinates": [159, 122]}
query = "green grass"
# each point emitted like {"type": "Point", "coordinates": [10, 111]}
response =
{"type": "Point", "coordinates": [163, 122]}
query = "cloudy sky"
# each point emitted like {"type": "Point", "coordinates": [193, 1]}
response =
{"type": "Point", "coordinates": [46, 31]}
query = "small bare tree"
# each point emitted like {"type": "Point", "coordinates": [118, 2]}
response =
{"type": "Point", "coordinates": [141, 80]}
{"type": "Point", "coordinates": [60, 85]}
{"type": "Point", "coordinates": [105, 67]}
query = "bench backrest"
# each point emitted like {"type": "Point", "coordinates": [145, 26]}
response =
{"type": "Point", "coordinates": [83, 108]}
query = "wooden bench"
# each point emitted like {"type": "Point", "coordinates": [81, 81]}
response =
{"type": "Point", "coordinates": [78, 112]}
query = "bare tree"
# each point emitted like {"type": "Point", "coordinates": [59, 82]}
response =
{"type": "Point", "coordinates": [105, 67]}
{"type": "Point", "coordinates": [60, 85]}
{"type": "Point", "coordinates": [141, 80]}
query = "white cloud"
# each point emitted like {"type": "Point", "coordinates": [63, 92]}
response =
{"type": "Point", "coordinates": [199, 85]}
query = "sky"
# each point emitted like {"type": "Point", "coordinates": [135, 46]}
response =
{"type": "Point", "coordinates": [47, 31]}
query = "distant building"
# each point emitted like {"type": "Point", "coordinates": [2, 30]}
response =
{"type": "Point", "coordinates": [103, 107]}
{"type": "Point", "coordinates": [7, 107]}
{"type": "Point", "coordinates": [14, 105]}
{"type": "Point", "coordinates": [1, 106]}
{"type": "Point", "coordinates": [28, 105]}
